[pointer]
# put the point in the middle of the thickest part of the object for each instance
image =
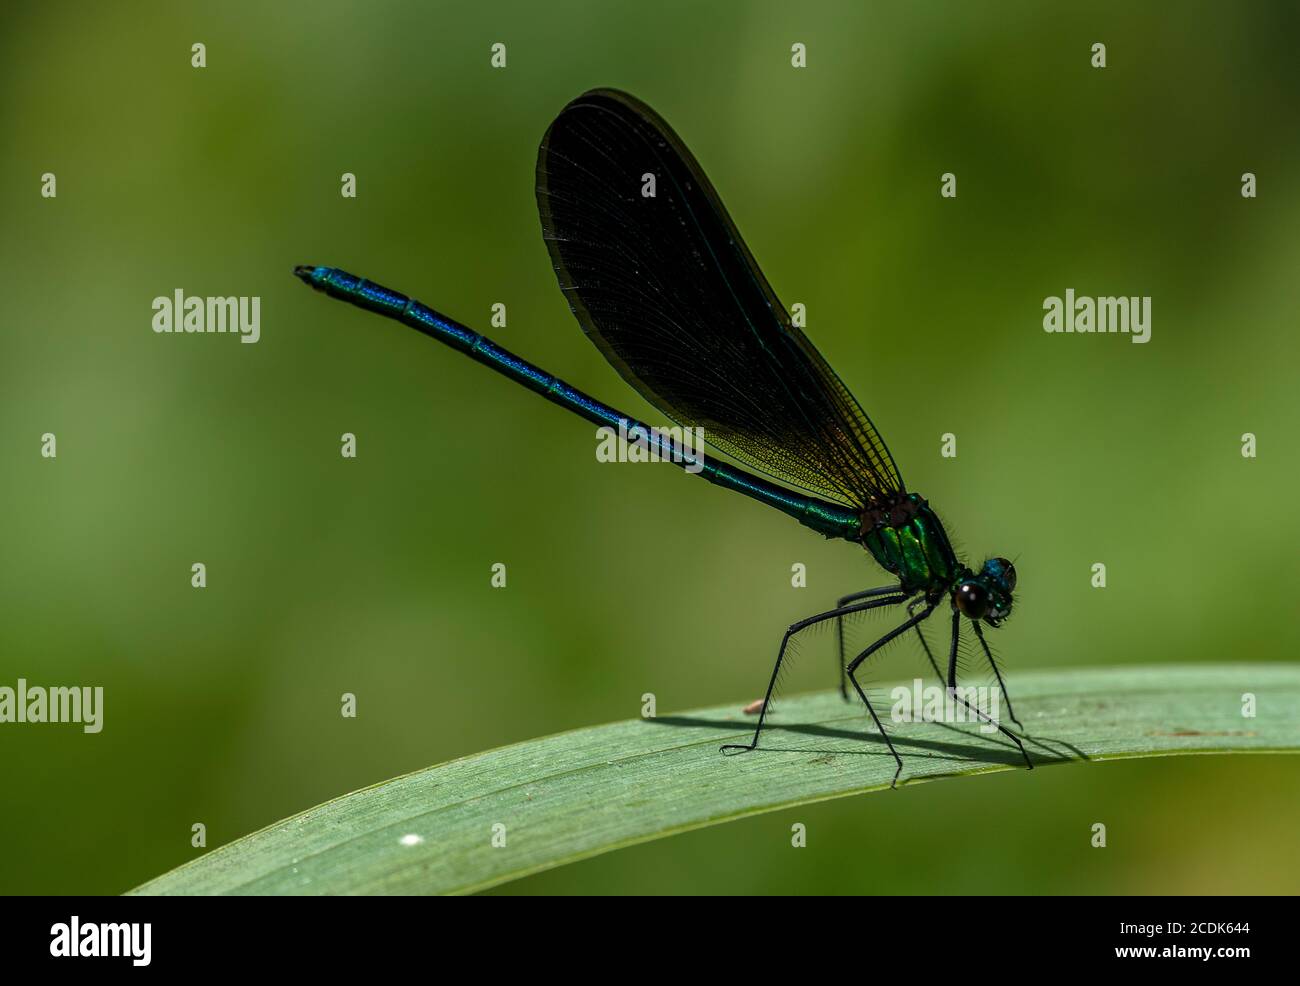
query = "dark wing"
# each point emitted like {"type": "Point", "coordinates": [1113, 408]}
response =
{"type": "Point", "coordinates": [667, 289]}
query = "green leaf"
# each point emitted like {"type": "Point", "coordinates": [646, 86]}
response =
{"type": "Point", "coordinates": [574, 795]}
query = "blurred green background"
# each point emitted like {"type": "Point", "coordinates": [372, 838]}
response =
{"type": "Point", "coordinates": [371, 576]}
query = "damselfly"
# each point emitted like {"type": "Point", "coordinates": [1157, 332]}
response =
{"type": "Point", "coordinates": [661, 281]}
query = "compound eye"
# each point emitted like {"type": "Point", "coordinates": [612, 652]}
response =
{"type": "Point", "coordinates": [1008, 573]}
{"type": "Point", "coordinates": [973, 600]}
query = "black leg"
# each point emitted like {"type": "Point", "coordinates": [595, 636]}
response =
{"type": "Point", "coordinates": [998, 674]}
{"type": "Point", "coordinates": [795, 628]}
{"type": "Point", "coordinates": [911, 608]}
{"type": "Point", "coordinates": [839, 627]}
{"type": "Point", "coordinates": [857, 661]}
{"type": "Point", "coordinates": [952, 691]}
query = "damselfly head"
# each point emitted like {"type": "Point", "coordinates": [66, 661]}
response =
{"type": "Point", "coordinates": [1002, 573]}
{"type": "Point", "coordinates": [987, 596]}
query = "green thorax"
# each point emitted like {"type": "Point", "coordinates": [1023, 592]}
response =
{"type": "Point", "coordinates": [907, 539]}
